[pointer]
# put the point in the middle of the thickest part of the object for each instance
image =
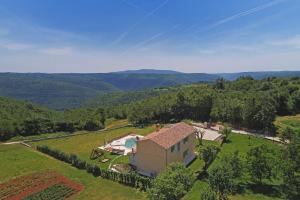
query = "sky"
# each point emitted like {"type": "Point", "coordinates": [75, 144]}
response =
{"type": "Point", "coordinates": [203, 36]}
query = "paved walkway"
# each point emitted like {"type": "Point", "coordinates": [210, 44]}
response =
{"type": "Point", "coordinates": [212, 133]}
{"type": "Point", "coordinates": [274, 139]}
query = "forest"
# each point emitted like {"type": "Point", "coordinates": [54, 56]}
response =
{"type": "Point", "coordinates": [24, 118]}
{"type": "Point", "coordinates": [244, 103]}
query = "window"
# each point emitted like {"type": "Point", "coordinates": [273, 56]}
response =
{"type": "Point", "coordinates": [185, 153]}
{"type": "Point", "coordinates": [178, 146]}
{"type": "Point", "coordinates": [185, 140]}
{"type": "Point", "coordinates": [173, 148]}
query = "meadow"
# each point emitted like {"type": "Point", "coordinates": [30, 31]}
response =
{"type": "Point", "coordinates": [17, 160]}
{"type": "Point", "coordinates": [292, 121]}
{"type": "Point", "coordinates": [82, 145]}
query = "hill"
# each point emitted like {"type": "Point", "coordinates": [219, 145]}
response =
{"type": "Point", "coordinates": [259, 75]}
{"type": "Point", "coordinates": [23, 118]}
{"type": "Point", "coordinates": [64, 91]}
{"type": "Point", "coordinates": [149, 71]}
{"type": "Point", "coordinates": [61, 91]}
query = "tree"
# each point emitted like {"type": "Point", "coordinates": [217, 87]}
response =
{"type": "Point", "coordinates": [199, 135]}
{"type": "Point", "coordinates": [260, 161]}
{"type": "Point", "coordinates": [225, 132]}
{"type": "Point", "coordinates": [287, 134]}
{"type": "Point", "coordinates": [221, 181]}
{"type": "Point", "coordinates": [172, 184]}
{"type": "Point", "coordinates": [234, 163]}
{"type": "Point", "coordinates": [208, 194]}
{"type": "Point", "coordinates": [208, 154]}
{"type": "Point", "coordinates": [101, 116]}
{"type": "Point", "coordinates": [291, 169]}
{"type": "Point", "coordinates": [220, 84]}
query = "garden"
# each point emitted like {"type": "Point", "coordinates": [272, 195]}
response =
{"type": "Point", "coordinates": [47, 184]}
{"type": "Point", "coordinates": [17, 160]}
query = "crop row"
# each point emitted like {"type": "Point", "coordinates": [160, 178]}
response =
{"type": "Point", "coordinates": [21, 184]}
{"type": "Point", "coordinates": [26, 185]}
{"type": "Point", "coordinates": [54, 192]}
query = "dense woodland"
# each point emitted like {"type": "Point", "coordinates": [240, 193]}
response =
{"type": "Point", "coordinates": [24, 118]}
{"type": "Point", "coordinates": [62, 91]}
{"type": "Point", "coordinates": [71, 90]}
{"type": "Point", "coordinates": [245, 102]}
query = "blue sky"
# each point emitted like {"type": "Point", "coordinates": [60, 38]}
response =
{"type": "Point", "coordinates": [185, 35]}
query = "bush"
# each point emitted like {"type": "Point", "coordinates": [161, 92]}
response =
{"type": "Point", "coordinates": [131, 179]}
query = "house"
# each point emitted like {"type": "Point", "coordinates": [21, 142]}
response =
{"type": "Point", "coordinates": [164, 146]}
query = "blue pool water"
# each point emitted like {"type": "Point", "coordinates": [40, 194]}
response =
{"type": "Point", "coordinates": [130, 143]}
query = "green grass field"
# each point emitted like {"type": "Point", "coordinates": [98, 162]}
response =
{"type": "Point", "coordinates": [243, 144]}
{"type": "Point", "coordinates": [82, 145]}
{"type": "Point", "coordinates": [17, 160]}
{"type": "Point", "coordinates": [292, 121]}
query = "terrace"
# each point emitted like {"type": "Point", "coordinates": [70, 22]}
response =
{"type": "Point", "coordinates": [123, 145]}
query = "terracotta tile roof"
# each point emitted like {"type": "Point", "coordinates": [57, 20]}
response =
{"type": "Point", "coordinates": [167, 137]}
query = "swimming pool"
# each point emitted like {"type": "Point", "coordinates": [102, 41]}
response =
{"type": "Point", "coordinates": [130, 143]}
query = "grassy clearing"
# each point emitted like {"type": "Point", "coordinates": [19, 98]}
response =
{"type": "Point", "coordinates": [82, 145]}
{"type": "Point", "coordinates": [243, 144]}
{"type": "Point", "coordinates": [112, 123]}
{"type": "Point", "coordinates": [292, 121]}
{"type": "Point", "coordinates": [17, 160]}
{"type": "Point", "coordinates": [31, 137]}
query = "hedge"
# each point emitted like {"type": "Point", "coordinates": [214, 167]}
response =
{"type": "Point", "coordinates": [130, 179]}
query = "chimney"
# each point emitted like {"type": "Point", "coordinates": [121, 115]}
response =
{"type": "Point", "coordinates": [157, 126]}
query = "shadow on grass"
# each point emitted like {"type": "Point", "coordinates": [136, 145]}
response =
{"type": "Point", "coordinates": [265, 189]}
{"type": "Point", "coordinates": [202, 175]}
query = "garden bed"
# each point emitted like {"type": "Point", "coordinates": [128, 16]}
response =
{"type": "Point", "coordinates": [47, 184]}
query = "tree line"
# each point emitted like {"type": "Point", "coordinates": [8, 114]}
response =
{"type": "Point", "coordinates": [23, 118]}
{"type": "Point", "coordinates": [245, 102]}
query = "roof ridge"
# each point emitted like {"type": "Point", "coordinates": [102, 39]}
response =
{"type": "Point", "coordinates": [167, 137]}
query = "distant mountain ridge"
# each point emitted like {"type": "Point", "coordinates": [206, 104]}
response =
{"type": "Point", "coordinates": [148, 71]}
{"type": "Point", "coordinates": [61, 91]}
{"type": "Point", "coordinates": [69, 90]}
{"type": "Point", "coordinates": [259, 74]}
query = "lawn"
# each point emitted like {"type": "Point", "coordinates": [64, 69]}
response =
{"type": "Point", "coordinates": [109, 124]}
{"type": "Point", "coordinates": [31, 137]}
{"type": "Point", "coordinates": [243, 144]}
{"type": "Point", "coordinates": [112, 123]}
{"type": "Point", "coordinates": [17, 160]}
{"type": "Point", "coordinates": [291, 121]}
{"type": "Point", "coordinates": [82, 145]}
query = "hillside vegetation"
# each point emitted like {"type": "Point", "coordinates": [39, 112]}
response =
{"type": "Point", "coordinates": [24, 118]}
{"type": "Point", "coordinates": [61, 91]}
{"type": "Point", "coordinates": [245, 102]}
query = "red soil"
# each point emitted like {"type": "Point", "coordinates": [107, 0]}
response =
{"type": "Point", "coordinates": [23, 186]}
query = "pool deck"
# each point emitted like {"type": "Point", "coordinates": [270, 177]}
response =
{"type": "Point", "coordinates": [118, 146]}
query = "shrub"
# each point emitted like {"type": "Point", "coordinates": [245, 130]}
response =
{"type": "Point", "coordinates": [131, 179]}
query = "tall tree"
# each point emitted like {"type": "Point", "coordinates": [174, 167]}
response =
{"type": "Point", "coordinates": [260, 161]}
{"type": "Point", "coordinates": [221, 181]}
{"type": "Point", "coordinates": [172, 184]}
{"type": "Point", "coordinates": [291, 169]}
